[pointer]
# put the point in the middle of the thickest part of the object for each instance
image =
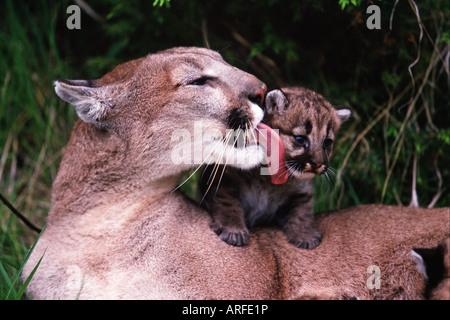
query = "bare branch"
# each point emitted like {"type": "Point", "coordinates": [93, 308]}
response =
{"type": "Point", "coordinates": [440, 189]}
{"type": "Point", "coordinates": [428, 114]}
{"type": "Point", "coordinates": [392, 17]}
{"type": "Point", "coordinates": [89, 11]}
{"type": "Point", "coordinates": [205, 34]}
{"type": "Point", "coordinates": [419, 22]}
{"type": "Point", "coordinates": [414, 199]}
{"type": "Point", "coordinates": [396, 197]}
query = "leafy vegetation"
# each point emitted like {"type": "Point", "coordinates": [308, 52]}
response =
{"type": "Point", "coordinates": [394, 149]}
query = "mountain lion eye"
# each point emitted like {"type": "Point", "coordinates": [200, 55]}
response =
{"type": "Point", "coordinates": [303, 141]}
{"type": "Point", "coordinates": [327, 143]}
{"type": "Point", "coordinates": [200, 81]}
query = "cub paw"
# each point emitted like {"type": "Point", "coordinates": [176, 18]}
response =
{"type": "Point", "coordinates": [232, 235]}
{"type": "Point", "coordinates": [307, 241]}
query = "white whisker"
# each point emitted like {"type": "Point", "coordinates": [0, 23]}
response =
{"type": "Point", "coordinates": [216, 167]}
{"type": "Point", "coordinates": [260, 134]}
{"type": "Point", "coordinates": [220, 179]}
{"type": "Point", "coordinates": [205, 160]}
{"type": "Point", "coordinates": [252, 133]}
{"type": "Point", "coordinates": [213, 174]}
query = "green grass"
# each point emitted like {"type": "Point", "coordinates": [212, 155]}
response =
{"type": "Point", "coordinates": [12, 255]}
{"type": "Point", "coordinates": [15, 255]}
{"type": "Point", "coordinates": [33, 129]}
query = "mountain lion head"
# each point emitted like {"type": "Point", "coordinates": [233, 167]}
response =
{"type": "Point", "coordinates": [146, 107]}
{"type": "Point", "coordinates": [307, 125]}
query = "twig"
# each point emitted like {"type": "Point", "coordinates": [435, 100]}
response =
{"type": "Point", "coordinates": [34, 178]}
{"type": "Point", "coordinates": [5, 154]}
{"type": "Point", "coordinates": [19, 215]}
{"type": "Point", "coordinates": [428, 114]}
{"type": "Point", "coordinates": [13, 170]}
{"type": "Point", "coordinates": [90, 12]}
{"type": "Point", "coordinates": [414, 200]}
{"type": "Point", "coordinates": [396, 197]}
{"type": "Point", "coordinates": [391, 19]}
{"type": "Point", "coordinates": [394, 162]}
{"type": "Point", "coordinates": [205, 34]}
{"type": "Point", "coordinates": [440, 189]}
{"type": "Point", "coordinates": [419, 22]}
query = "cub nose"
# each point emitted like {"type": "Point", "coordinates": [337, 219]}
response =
{"type": "Point", "coordinates": [315, 165]}
{"type": "Point", "coordinates": [258, 95]}
{"type": "Point", "coordinates": [318, 168]}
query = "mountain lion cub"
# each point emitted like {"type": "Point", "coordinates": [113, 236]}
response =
{"type": "Point", "coordinates": [307, 125]}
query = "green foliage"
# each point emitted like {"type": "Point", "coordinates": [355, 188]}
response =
{"type": "Point", "coordinates": [445, 37]}
{"type": "Point", "coordinates": [345, 3]}
{"type": "Point", "coordinates": [34, 128]}
{"type": "Point", "coordinates": [161, 3]}
{"type": "Point", "coordinates": [444, 136]}
{"type": "Point", "coordinates": [12, 264]}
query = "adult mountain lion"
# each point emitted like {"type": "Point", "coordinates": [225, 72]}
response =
{"type": "Point", "coordinates": [116, 230]}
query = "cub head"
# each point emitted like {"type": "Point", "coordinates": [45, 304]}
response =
{"type": "Point", "coordinates": [159, 107]}
{"type": "Point", "coordinates": [307, 125]}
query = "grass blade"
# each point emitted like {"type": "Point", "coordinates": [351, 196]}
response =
{"type": "Point", "coordinates": [19, 272]}
{"type": "Point", "coordinates": [25, 284]}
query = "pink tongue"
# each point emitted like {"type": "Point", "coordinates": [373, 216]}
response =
{"type": "Point", "coordinates": [271, 141]}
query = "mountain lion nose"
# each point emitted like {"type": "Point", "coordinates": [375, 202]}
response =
{"type": "Point", "coordinates": [258, 96]}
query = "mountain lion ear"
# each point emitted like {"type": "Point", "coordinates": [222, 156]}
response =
{"type": "Point", "coordinates": [431, 261]}
{"type": "Point", "coordinates": [275, 100]}
{"type": "Point", "coordinates": [343, 113]}
{"type": "Point", "coordinates": [91, 103]}
{"type": "Point", "coordinates": [420, 264]}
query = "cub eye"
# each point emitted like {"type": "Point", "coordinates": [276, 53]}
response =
{"type": "Point", "coordinates": [200, 81]}
{"type": "Point", "coordinates": [302, 140]}
{"type": "Point", "coordinates": [327, 143]}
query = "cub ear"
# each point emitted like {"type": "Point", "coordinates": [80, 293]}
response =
{"type": "Point", "coordinates": [343, 113]}
{"type": "Point", "coordinates": [275, 100]}
{"type": "Point", "coordinates": [91, 103]}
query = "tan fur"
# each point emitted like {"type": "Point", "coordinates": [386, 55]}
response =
{"type": "Point", "coordinates": [116, 231]}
